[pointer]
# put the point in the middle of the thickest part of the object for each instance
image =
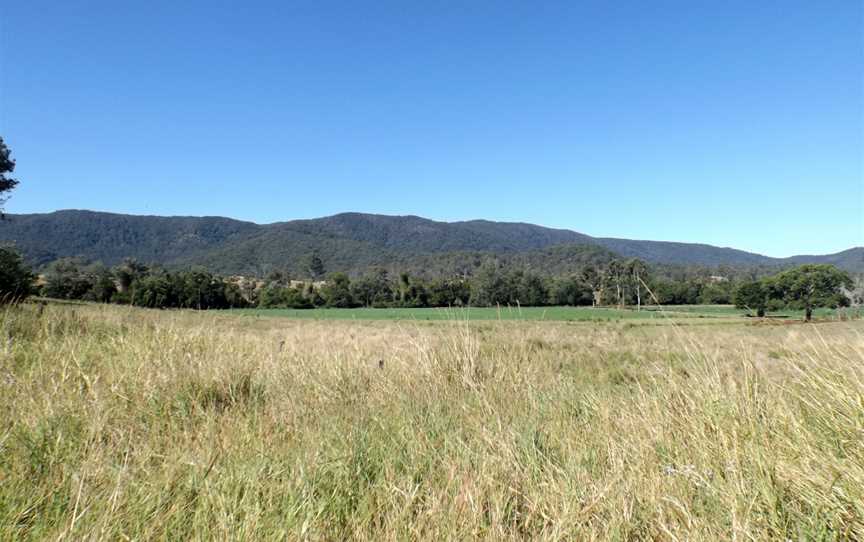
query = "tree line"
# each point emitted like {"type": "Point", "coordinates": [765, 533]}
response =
{"type": "Point", "coordinates": [133, 283]}
{"type": "Point", "coordinates": [618, 282]}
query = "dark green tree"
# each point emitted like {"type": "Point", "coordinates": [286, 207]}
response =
{"type": "Point", "coordinates": [570, 291]}
{"type": "Point", "coordinates": [103, 287]}
{"type": "Point", "coordinates": [751, 295]}
{"type": "Point", "coordinates": [198, 289]}
{"type": "Point", "coordinates": [280, 277]}
{"type": "Point", "coordinates": [532, 291]}
{"type": "Point", "coordinates": [716, 293]}
{"type": "Point", "coordinates": [489, 286]}
{"type": "Point", "coordinates": [373, 289]}
{"type": "Point", "coordinates": [271, 297]}
{"type": "Point", "coordinates": [448, 292]}
{"type": "Point", "coordinates": [16, 279]}
{"type": "Point", "coordinates": [677, 292]}
{"type": "Point", "coordinates": [315, 266]}
{"type": "Point", "coordinates": [274, 296]}
{"type": "Point", "coordinates": [234, 296]}
{"type": "Point", "coordinates": [811, 286]}
{"type": "Point", "coordinates": [65, 279]}
{"type": "Point", "coordinates": [154, 291]}
{"type": "Point", "coordinates": [337, 291]}
{"type": "Point", "coordinates": [128, 272]}
{"type": "Point", "coordinates": [404, 287]}
{"type": "Point", "coordinates": [7, 166]}
{"type": "Point", "coordinates": [410, 291]}
{"type": "Point", "coordinates": [312, 295]}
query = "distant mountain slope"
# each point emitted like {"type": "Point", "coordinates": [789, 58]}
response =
{"type": "Point", "coordinates": [852, 259]}
{"type": "Point", "coordinates": [420, 235]}
{"type": "Point", "coordinates": [110, 237]}
{"type": "Point", "coordinates": [347, 242]}
{"type": "Point", "coordinates": [682, 253]}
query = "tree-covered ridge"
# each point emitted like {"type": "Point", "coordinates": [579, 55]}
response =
{"type": "Point", "coordinates": [349, 242]}
{"type": "Point", "coordinates": [109, 237]}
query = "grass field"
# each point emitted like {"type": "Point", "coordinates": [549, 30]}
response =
{"type": "Point", "coordinates": [563, 314]}
{"type": "Point", "coordinates": [128, 424]}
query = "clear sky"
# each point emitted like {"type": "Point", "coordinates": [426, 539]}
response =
{"type": "Point", "coordinates": [734, 123]}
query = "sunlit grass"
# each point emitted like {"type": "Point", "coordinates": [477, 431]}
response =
{"type": "Point", "coordinates": [131, 424]}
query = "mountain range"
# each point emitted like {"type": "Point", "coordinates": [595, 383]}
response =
{"type": "Point", "coordinates": [350, 242]}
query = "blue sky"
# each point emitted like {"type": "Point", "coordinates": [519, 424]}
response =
{"type": "Point", "coordinates": [733, 123]}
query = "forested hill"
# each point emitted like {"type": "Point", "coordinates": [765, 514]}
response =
{"type": "Point", "coordinates": [346, 242]}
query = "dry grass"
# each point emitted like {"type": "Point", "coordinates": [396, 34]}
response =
{"type": "Point", "coordinates": [127, 424]}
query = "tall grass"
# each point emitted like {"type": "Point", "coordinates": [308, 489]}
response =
{"type": "Point", "coordinates": [130, 424]}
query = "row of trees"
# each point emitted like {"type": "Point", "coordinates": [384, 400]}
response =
{"type": "Point", "coordinates": [375, 289]}
{"type": "Point", "coordinates": [616, 283]}
{"type": "Point", "coordinates": [803, 288]}
{"type": "Point", "coordinates": [136, 284]}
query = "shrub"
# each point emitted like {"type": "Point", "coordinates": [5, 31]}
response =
{"type": "Point", "coordinates": [16, 279]}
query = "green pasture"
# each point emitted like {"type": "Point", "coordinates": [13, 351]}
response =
{"type": "Point", "coordinates": [584, 314]}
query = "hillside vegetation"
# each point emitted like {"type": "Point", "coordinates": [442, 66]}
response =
{"type": "Point", "coordinates": [122, 423]}
{"type": "Point", "coordinates": [350, 242]}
